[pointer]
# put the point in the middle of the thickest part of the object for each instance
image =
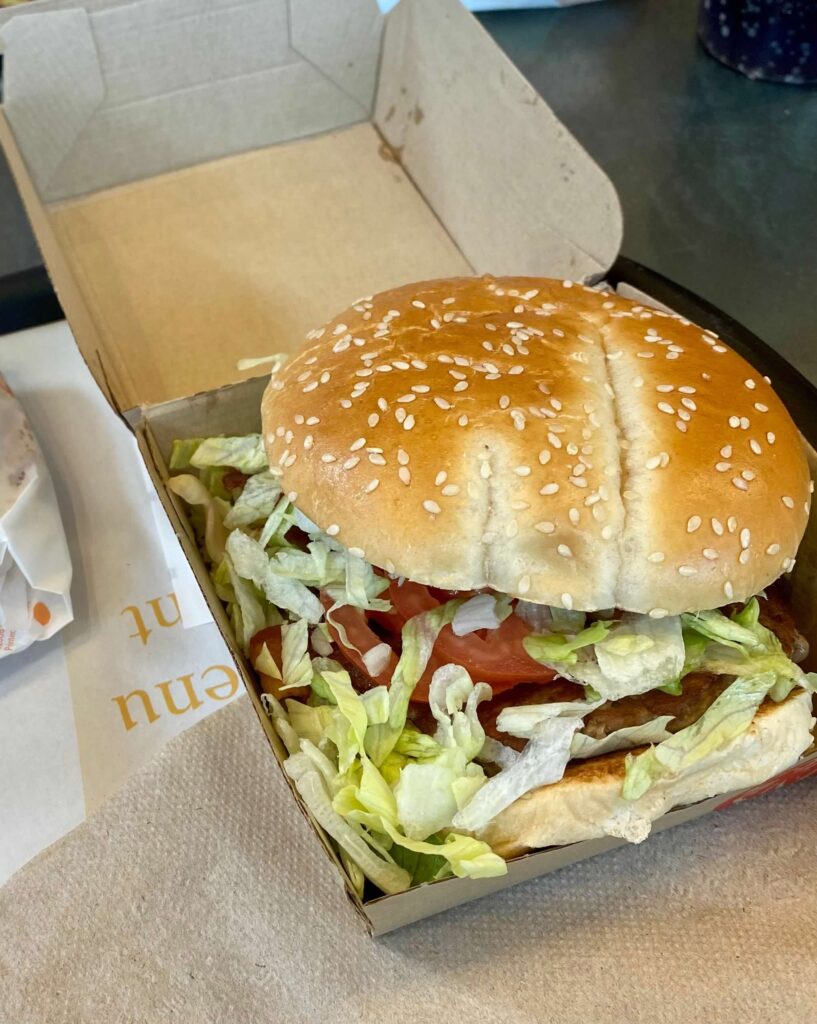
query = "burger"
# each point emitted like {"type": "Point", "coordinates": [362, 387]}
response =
{"type": "Point", "coordinates": [509, 557]}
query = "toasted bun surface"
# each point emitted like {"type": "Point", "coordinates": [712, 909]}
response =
{"type": "Point", "coordinates": [587, 802]}
{"type": "Point", "coordinates": [534, 436]}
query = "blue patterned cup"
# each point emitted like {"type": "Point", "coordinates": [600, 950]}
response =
{"type": "Point", "coordinates": [774, 40]}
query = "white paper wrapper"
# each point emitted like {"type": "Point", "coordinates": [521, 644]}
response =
{"type": "Point", "coordinates": [35, 567]}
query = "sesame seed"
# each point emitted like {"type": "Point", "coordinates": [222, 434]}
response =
{"type": "Point", "coordinates": [743, 557]}
{"type": "Point", "coordinates": [726, 451]}
{"type": "Point", "coordinates": [345, 403]}
{"type": "Point", "coordinates": [442, 403]}
{"type": "Point", "coordinates": [405, 399]}
{"type": "Point", "coordinates": [432, 507]}
{"type": "Point", "coordinates": [371, 485]}
{"type": "Point", "coordinates": [717, 526]}
{"type": "Point", "coordinates": [687, 570]}
{"type": "Point", "coordinates": [745, 537]}
{"type": "Point", "coordinates": [356, 552]}
{"type": "Point", "coordinates": [549, 489]}
{"type": "Point", "coordinates": [313, 421]}
{"type": "Point", "coordinates": [744, 423]}
{"type": "Point", "coordinates": [440, 478]}
{"type": "Point", "coordinates": [524, 584]}
{"type": "Point", "coordinates": [546, 526]}
{"type": "Point", "coordinates": [686, 389]}
{"type": "Point", "coordinates": [405, 475]}
{"type": "Point", "coordinates": [554, 440]}
{"type": "Point", "coordinates": [567, 601]}
{"type": "Point", "coordinates": [328, 458]}
{"type": "Point", "coordinates": [740, 483]}
{"type": "Point", "coordinates": [450, 490]}
{"type": "Point", "coordinates": [656, 556]}
{"type": "Point", "coordinates": [400, 414]}
{"type": "Point", "coordinates": [731, 524]}
{"type": "Point", "coordinates": [667, 408]}
{"type": "Point", "coordinates": [418, 364]}
{"type": "Point", "coordinates": [607, 532]}
{"type": "Point", "coordinates": [357, 445]}
{"type": "Point", "coordinates": [729, 590]}
{"type": "Point", "coordinates": [723, 467]}
{"type": "Point", "coordinates": [749, 383]}
{"type": "Point", "coordinates": [681, 426]}
{"type": "Point", "coordinates": [325, 377]}
{"type": "Point", "coordinates": [290, 460]}
{"type": "Point", "coordinates": [747, 474]}
{"type": "Point", "coordinates": [351, 463]}
{"type": "Point", "coordinates": [658, 613]}
{"type": "Point", "coordinates": [689, 404]}
{"type": "Point", "coordinates": [333, 529]}
{"type": "Point", "coordinates": [761, 407]}
{"type": "Point", "coordinates": [310, 387]}
{"type": "Point", "coordinates": [417, 304]}
{"type": "Point", "coordinates": [693, 523]}
{"type": "Point", "coordinates": [734, 421]}
{"type": "Point", "coordinates": [373, 419]}
{"type": "Point", "coordinates": [770, 437]}
{"type": "Point", "coordinates": [409, 422]}
{"type": "Point", "coordinates": [376, 459]}
{"type": "Point", "coordinates": [420, 389]}
{"type": "Point", "coordinates": [522, 470]}
{"type": "Point", "coordinates": [755, 447]}
{"type": "Point", "coordinates": [787, 501]}
{"type": "Point", "coordinates": [665, 387]}
{"type": "Point", "coordinates": [773, 549]}
{"type": "Point", "coordinates": [309, 440]}
{"type": "Point", "coordinates": [710, 553]}
{"type": "Point", "coordinates": [653, 462]}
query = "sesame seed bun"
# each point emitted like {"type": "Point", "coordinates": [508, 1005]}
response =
{"type": "Point", "coordinates": [562, 445]}
{"type": "Point", "coordinates": [587, 803]}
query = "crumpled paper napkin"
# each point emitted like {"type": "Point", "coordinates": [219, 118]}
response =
{"type": "Point", "coordinates": [35, 566]}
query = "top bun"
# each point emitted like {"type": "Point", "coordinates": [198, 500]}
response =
{"type": "Point", "coordinates": [557, 443]}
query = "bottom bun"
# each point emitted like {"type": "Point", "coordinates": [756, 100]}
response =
{"type": "Point", "coordinates": [587, 802]}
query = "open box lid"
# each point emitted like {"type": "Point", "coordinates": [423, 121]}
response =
{"type": "Point", "coordinates": [208, 181]}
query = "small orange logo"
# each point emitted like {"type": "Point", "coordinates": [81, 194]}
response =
{"type": "Point", "coordinates": [41, 613]}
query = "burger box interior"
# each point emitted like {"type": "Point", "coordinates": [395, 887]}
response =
{"type": "Point", "coordinates": [208, 181]}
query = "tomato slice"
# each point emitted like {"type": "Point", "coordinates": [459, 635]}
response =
{"type": "Point", "coordinates": [361, 636]}
{"type": "Point", "coordinates": [498, 658]}
{"type": "Point", "coordinates": [271, 637]}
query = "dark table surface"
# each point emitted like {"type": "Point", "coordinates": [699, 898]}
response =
{"type": "Point", "coordinates": [717, 174]}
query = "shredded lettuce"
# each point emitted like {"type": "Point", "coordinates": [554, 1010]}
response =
{"type": "Point", "coordinates": [193, 491]}
{"type": "Point", "coordinates": [252, 612]}
{"type": "Point", "coordinates": [559, 648]}
{"type": "Point", "coordinates": [483, 611]}
{"type": "Point", "coordinates": [418, 638]}
{"type": "Point", "coordinates": [245, 454]}
{"type": "Point", "coordinates": [523, 720]}
{"type": "Point", "coordinates": [256, 501]}
{"type": "Point", "coordinates": [630, 736]}
{"type": "Point", "coordinates": [728, 717]}
{"type": "Point", "coordinates": [181, 452]}
{"type": "Point", "coordinates": [542, 762]}
{"type": "Point", "coordinates": [617, 659]}
{"type": "Point", "coordinates": [296, 668]}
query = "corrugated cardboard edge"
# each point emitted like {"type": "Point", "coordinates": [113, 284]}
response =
{"type": "Point", "coordinates": [385, 913]}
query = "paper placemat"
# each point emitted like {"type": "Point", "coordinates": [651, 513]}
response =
{"type": "Point", "coordinates": [82, 710]}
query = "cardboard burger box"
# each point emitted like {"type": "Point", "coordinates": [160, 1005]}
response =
{"type": "Point", "coordinates": [209, 181]}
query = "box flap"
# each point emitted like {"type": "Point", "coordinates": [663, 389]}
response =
{"type": "Point", "coordinates": [515, 190]}
{"type": "Point", "coordinates": [207, 182]}
{"type": "Point", "coordinates": [100, 98]}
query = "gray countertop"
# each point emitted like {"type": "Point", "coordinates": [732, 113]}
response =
{"type": "Point", "coordinates": [716, 173]}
